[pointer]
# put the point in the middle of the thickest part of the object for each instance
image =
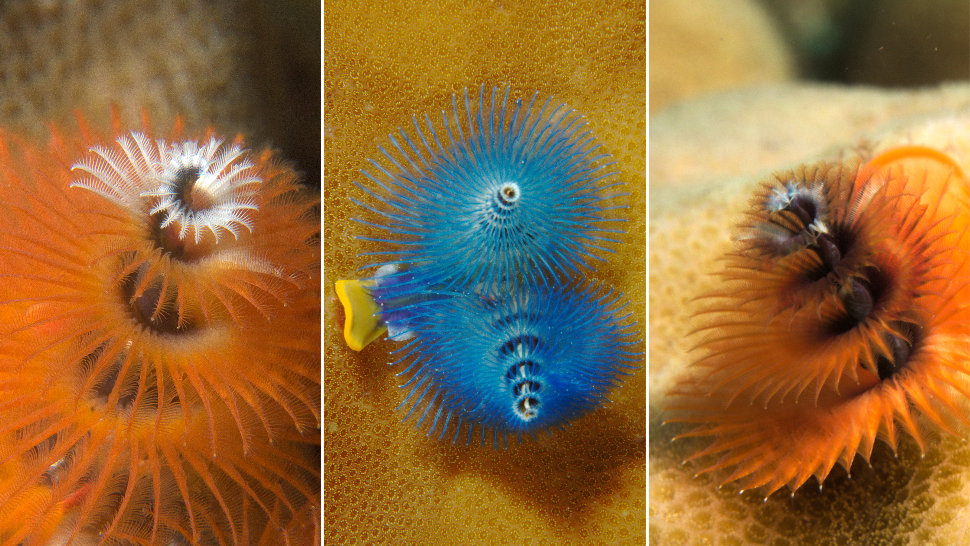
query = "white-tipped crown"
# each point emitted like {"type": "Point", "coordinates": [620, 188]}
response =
{"type": "Point", "coordinates": [196, 188]}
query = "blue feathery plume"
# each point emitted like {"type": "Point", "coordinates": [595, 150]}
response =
{"type": "Point", "coordinates": [518, 363]}
{"type": "Point", "coordinates": [496, 198]}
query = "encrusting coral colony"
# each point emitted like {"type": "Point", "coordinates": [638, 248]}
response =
{"type": "Point", "coordinates": [159, 342]}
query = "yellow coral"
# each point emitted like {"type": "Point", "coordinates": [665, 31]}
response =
{"type": "Point", "coordinates": [385, 483]}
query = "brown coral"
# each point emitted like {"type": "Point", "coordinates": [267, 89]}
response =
{"type": "Point", "coordinates": [384, 483]}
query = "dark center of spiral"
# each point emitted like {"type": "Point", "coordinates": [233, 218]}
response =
{"type": "Point", "coordinates": [521, 376]}
{"type": "Point", "coordinates": [861, 297]}
{"type": "Point", "coordinates": [804, 208]}
{"type": "Point", "coordinates": [901, 345]}
{"type": "Point", "coordinates": [190, 195]}
{"type": "Point", "coordinates": [508, 194]}
{"type": "Point", "coordinates": [797, 220]}
{"type": "Point", "coordinates": [147, 305]}
{"type": "Point", "coordinates": [503, 202]}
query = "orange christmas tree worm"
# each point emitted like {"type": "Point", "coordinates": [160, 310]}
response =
{"type": "Point", "coordinates": [160, 353]}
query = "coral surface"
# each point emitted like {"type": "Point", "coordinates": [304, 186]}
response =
{"type": "Point", "coordinates": [384, 482]}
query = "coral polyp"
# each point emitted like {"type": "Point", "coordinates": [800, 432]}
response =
{"type": "Point", "coordinates": [816, 348]}
{"type": "Point", "coordinates": [150, 396]}
{"type": "Point", "coordinates": [500, 193]}
{"type": "Point", "coordinates": [517, 363]}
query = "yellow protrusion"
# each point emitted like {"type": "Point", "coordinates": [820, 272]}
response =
{"type": "Point", "coordinates": [362, 323]}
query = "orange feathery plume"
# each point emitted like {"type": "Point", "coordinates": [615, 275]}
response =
{"type": "Point", "coordinates": [844, 313]}
{"type": "Point", "coordinates": [159, 342]}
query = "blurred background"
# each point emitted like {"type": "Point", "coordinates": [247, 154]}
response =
{"type": "Point", "coordinates": [710, 45]}
{"type": "Point", "coordinates": [239, 66]}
